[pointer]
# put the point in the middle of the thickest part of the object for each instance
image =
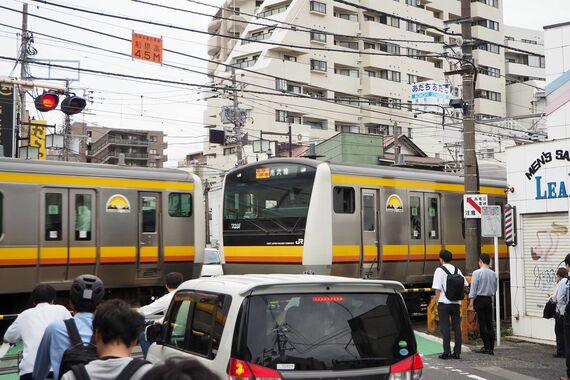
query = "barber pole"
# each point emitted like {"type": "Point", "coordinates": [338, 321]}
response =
{"type": "Point", "coordinates": [510, 233]}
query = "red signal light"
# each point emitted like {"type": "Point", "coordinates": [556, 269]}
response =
{"type": "Point", "coordinates": [46, 101]}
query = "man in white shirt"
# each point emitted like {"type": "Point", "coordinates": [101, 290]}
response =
{"type": "Point", "coordinates": [160, 306]}
{"type": "Point", "coordinates": [447, 308]}
{"type": "Point", "coordinates": [31, 324]}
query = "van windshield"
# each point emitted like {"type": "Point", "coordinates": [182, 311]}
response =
{"type": "Point", "coordinates": [325, 331]}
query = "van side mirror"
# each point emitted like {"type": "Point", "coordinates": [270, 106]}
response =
{"type": "Point", "coordinates": [153, 333]}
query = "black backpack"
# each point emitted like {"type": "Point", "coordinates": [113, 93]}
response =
{"type": "Point", "coordinates": [454, 286]}
{"type": "Point", "coordinates": [78, 352]}
{"type": "Point", "coordinates": [133, 366]}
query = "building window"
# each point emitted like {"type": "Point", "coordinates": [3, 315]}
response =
{"type": "Point", "coordinates": [295, 88]}
{"type": "Point", "coordinates": [317, 6]}
{"type": "Point", "coordinates": [229, 151]}
{"type": "Point", "coordinates": [509, 38]}
{"type": "Point", "coordinates": [314, 124]}
{"type": "Point", "coordinates": [343, 200]}
{"type": "Point", "coordinates": [489, 95]}
{"type": "Point", "coordinates": [409, 133]}
{"type": "Point", "coordinates": [294, 119]}
{"type": "Point", "coordinates": [347, 72]}
{"type": "Point", "coordinates": [369, 18]}
{"type": "Point", "coordinates": [374, 130]}
{"type": "Point", "coordinates": [493, 3]}
{"type": "Point", "coordinates": [532, 42]}
{"type": "Point", "coordinates": [415, 3]}
{"type": "Point", "coordinates": [488, 24]}
{"type": "Point", "coordinates": [152, 151]}
{"type": "Point", "coordinates": [153, 138]}
{"type": "Point", "coordinates": [347, 128]}
{"type": "Point", "coordinates": [369, 45]}
{"type": "Point", "coordinates": [536, 61]}
{"type": "Point", "coordinates": [492, 48]}
{"type": "Point", "coordinates": [412, 27]}
{"type": "Point", "coordinates": [412, 79]}
{"type": "Point", "coordinates": [281, 84]}
{"type": "Point", "coordinates": [389, 20]}
{"type": "Point", "coordinates": [347, 16]}
{"type": "Point", "coordinates": [390, 75]}
{"type": "Point", "coordinates": [151, 165]}
{"type": "Point", "coordinates": [272, 11]}
{"type": "Point", "coordinates": [390, 48]}
{"type": "Point", "coordinates": [291, 58]}
{"type": "Point", "coordinates": [369, 73]}
{"type": "Point", "coordinates": [319, 37]}
{"type": "Point", "coordinates": [281, 116]}
{"type": "Point", "coordinates": [347, 44]}
{"type": "Point", "coordinates": [318, 65]}
{"type": "Point", "coordinates": [490, 71]}
{"type": "Point", "coordinates": [179, 205]}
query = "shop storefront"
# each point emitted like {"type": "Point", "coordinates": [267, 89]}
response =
{"type": "Point", "coordinates": [538, 177]}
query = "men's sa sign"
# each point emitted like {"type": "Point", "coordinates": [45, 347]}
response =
{"type": "Point", "coordinates": [472, 204]}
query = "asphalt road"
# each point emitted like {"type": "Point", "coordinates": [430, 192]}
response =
{"type": "Point", "coordinates": [513, 360]}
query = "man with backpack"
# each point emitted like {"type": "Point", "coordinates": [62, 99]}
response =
{"type": "Point", "coordinates": [115, 330]}
{"type": "Point", "coordinates": [449, 285]}
{"type": "Point", "coordinates": [67, 342]}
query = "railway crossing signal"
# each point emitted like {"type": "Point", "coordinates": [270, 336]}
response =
{"type": "Point", "coordinates": [49, 100]}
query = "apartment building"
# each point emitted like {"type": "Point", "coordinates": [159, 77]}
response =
{"type": "Point", "coordinates": [105, 145]}
{"type": "Point", "coordinates": [354, 63]}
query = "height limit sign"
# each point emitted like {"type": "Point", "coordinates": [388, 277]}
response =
{"type": "Point", "coordinates": [472, 204]}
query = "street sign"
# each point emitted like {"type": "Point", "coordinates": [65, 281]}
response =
{"type": "Point", "coordinates": [491, 221]}
{"type": "Point", "coordinates": [510, 225]}
{"type": "Point", "coordinates": [146, 48]}
{"type": "Point", "coordinates": [472, 204]}
{"type": "Point", "coordinates": [232, 115]}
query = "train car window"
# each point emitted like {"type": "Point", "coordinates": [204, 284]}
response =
{"type": "Point", "coordinates": [368, 213]}
{"type": "Point", "coordinates": [433, 218]}
{"type": "Point", "coordinates": [54, 216]}
{"type": "Point", "coordinates": [415, 218]}
{"type": "Point", "coordinates": [180, 205]}
{"type": "Point", "coordinates": [83, 217]}
{"type": "Point", "coordinates": [149, 213]}
{"type": "Point", "coordinates": [1, 214]}
{"type": "Point", "coordinates": [343, 200]}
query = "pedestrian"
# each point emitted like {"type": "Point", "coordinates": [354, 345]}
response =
{"type": "Point", "coordinates": [30, 325]}
{"type": "Point", "coordinates": [115, 328]}
{"type": "Point", "coordinates": [159, 306]}
{"type": "Point", "coordinates": [483, 288]}
{"type": "Point", "coordinates": [179, 368]}
{"type": "Point", "coordinates": [560, 296]}
{"type": "Point", "coordinates": [449, 284]}
{"type": "Point", "coordinates": [85, 294]}
{"type": "Point", "coordinates": [566, 327]}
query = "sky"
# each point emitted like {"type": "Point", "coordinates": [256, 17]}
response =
{"type": "Point", "coordinates": [175, 109]}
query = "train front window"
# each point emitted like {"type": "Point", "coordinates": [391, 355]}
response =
{"type": "Point", "coordinates": [53, 215]}
{"type": "Point", "coordinates": [270, 198]}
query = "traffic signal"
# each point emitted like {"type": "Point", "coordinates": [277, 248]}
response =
{"type": "Point", "coordinates": [46, 101]}
{"type": "Point", "coordinates": [72, 105]}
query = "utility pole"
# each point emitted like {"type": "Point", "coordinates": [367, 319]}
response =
{"type": "Point", "coordinates": [470, 170]}
{"type": "Point", "coordinates": [290, 142]}
{"type": "Point", "coordinates": [67, 129]}
{"type": "Point", "coordinates": [23, 58]}
{"type": "Point", "coordinates": [396, 143]}
{"type": "Point", "coordinates": [237, 121]}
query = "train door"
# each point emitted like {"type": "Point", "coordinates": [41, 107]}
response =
{"type": "Point", "coordinates": [67, 234]}
{"type": "Point", "coordinates": [370, 249]}
{"type": "Point", "coordinates": [148, 256]}
{"type": "Point", "coordinates": [425, 230]}
{"type": "Point", "coordinates": [432, 213]}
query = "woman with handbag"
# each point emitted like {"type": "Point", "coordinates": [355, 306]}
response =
{"type": "Point", "coordinates": [560, 297]}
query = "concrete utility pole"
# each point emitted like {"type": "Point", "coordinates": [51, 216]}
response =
{"type": "Point", "coordinates": [396, 143]}
{"type": "Point", "coordinates": [471, 172]}
{"type": "Point", "coordinates": [237, 123]}
{"type": "Point", "coordinates": [23, 58]}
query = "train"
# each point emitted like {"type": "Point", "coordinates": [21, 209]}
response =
{"type": "Point", "coordinates": [128, 225]}
{"type": "Point", "coordinates": [297, 215]}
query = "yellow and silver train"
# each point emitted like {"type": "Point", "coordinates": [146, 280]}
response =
{"type": "Point", "coordinates": [301, 215]}
{"type": "Point", "coordinates": [129, 226]}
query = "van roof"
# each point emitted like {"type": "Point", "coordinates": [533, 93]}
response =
{"type": "Point", "coordinates": [243, 284]}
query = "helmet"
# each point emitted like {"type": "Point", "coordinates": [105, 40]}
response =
{"type": "Point", "coordinates": [87, 289]}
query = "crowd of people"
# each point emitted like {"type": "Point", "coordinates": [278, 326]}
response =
{"type": "Point", "coordinates": [97, 341]}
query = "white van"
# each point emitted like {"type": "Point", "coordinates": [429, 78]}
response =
{"type": "Point", "coordinates": [291, 327]}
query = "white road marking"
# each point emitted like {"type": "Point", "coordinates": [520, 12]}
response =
{"type": "Point", "coordinates": [476, 377]}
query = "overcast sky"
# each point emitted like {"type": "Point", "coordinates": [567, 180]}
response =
{"type": "Point", "coordinates": [177, 110]}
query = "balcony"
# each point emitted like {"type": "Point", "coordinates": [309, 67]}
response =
{"type": "Point", "coordinates": [113, 156]}
{"type": "Point", "coordinates": [236, 24]}
{"type": "Point", "coordinates": [105, 142]}
{"type": "Point", "coordinates": [214, 25]}
{"type": "Point", "coordinates": [214, 45]}
{"type": "Point", "coordinates": [520, 69]}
